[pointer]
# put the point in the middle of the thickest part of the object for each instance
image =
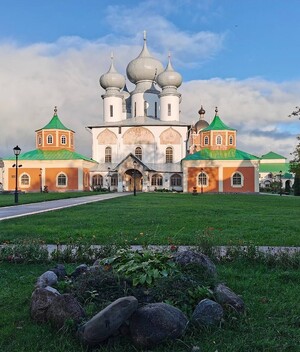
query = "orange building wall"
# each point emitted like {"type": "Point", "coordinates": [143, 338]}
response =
{"type": "Point", "coordinates": [249, 177]}
{"type": "Point", "coordinates": [50, 179]}
{"type": "Point", "coordinates": [34, 174]}
{"type": "Point", "coordinates": [212, 173]}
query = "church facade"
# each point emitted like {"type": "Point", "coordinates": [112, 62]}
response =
{"type": "Point", "coordinates": [141, 142]}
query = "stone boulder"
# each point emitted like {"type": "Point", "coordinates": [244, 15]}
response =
{"type": "Point", "coordinates": [107, 322]}
{"type": "Point", "coordinates": [207, 313]}
{"type": "Point", "coordinates": [62, 308]}
{"type": "Point", "coordinates": [41, 300]}
{"type": "Point", "coordinates": [156, 323]}
{"type": "Point", "coordinates": [60, 271]}
{"type": "Point", "coordinates": [79, 270]}
{"type": "Point", "coordinates": [228, 299]}
{"type": "Point", "coordinates": [190, 257]}
{"type": "Point", "coordinates": [49, 278]}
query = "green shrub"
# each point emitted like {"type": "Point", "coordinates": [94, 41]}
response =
{"type": "Point", "coordinates": [143, 268]}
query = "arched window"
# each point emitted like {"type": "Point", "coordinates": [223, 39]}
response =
{"type": "Point", "coordinates": [114, 180]}
{"type": "Point", "coordinates": [202, 179]}
{"type": "Point", "coordinates": [61, 180]}
{"type": "Point", "coordinates": [108, 154]}
{"type": "Point", "coordinates": [206, 140]}
{"type": "Point", "coordinates": [63, 140]}
{"type": "Point", "coordinates": [219, 140]}
{"type": "Point", "coordinates": [49, 139]}
{"type": "Point", "coordinates": [169, 155]}
{"type": "Point", "coordinates": [97, 181]}
{"type": "Point", "coordinates": [156, 180]}
{"type": "Point", "coordinates": [138, 153]}
{"type": "Point", "coordinates": [176, 180]}
{"type": "Point", "coordinates": [237, 179]}
{"type": "Point", "coordinates": [25, 180]}
{"type": "Point", "coordinates": [230, 140]}
{"type": "Point", "coordinates": [39, 140]}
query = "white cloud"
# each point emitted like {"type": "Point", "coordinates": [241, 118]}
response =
{"type": "Point", "coordinates": [65, 73]}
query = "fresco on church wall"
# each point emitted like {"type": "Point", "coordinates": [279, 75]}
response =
{"type": "Point", "coordinates": [107, 137]}
{"type": "Point", "coordinates": [170, 136]}
{"type": "Point", "coordinates": [138, 135]}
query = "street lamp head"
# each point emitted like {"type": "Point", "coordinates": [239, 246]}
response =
{"type": "Point", "coordinates": [17, 150]}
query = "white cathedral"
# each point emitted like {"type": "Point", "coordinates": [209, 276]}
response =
{"type": "Point", "coordinates": [141, 141]}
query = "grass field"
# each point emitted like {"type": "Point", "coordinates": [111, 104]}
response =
{"type": "Point", "coordinates": [271, 322]}
{"type": "Point", "coordinates": [158, 218]}
{"type": "Point", "coordinates": [25, 198]}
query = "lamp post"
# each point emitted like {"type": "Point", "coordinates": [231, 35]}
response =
{"type": "Point", "coordinates": [280, 185]}
{"type": "Point", "coordinates": [41, 185]}
{"type": "Point", "coordinates": [202, 180]}
{"type": "Point", "coordinates": [134, 175]}
{"type": "Point", "coordinates": [17, 151]}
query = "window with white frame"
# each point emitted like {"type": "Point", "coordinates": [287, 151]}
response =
{"type": "Point", "coordinates": [108, 154]}
{"type": "Point", "coordinates": [169, 155]}
{"type": "Point", "coordinates": [176, 180]}
{"type": "Point", "coordinates": [156, 180]}
{"type": "Point", "coordinates": [97, 180]}
{"type": "Point", "coordinates": [114, 180]}
{"type": "Point", "coordinates": [25, 180]}
{"type": "Point", "coordinates": [237, 179]}
{"type": "Point", "coordinates": [219, 140]}
{"type": "Point", "coordinates": [49, 139]}
{"type": "Point", "coordinates": [61, 180]}
{"type": "Point", "coordinates": [206, 140]}
{"type": "Point", "coordinates": [39, 140]}
{"type": "Point", "coordinates": [202, 179]}
{"type": "Point", "coordinates": [231, 140]}
{"type": "Point", "coordinates": [63, 139]}
{"type": "Point", "coordinates": [138, 153]}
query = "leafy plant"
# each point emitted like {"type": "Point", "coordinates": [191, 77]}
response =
{"type": "Point", "coordinates": [143, 268]}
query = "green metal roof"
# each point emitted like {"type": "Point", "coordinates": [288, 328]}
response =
{"type": "Point", "coordinates": [61, 154]}
{"type": "Point", "coordinates": [272, 155]}
{"type": "Point", "coordinates": [55, 124]}
{"type": "Point", "coordinates": [274, 167]}
{"type": "Point", "coordinates": [217, 125]}
{"type": "Point", "coordinates": [231, 154]}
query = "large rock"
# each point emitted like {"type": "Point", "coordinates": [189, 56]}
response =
{"type": "Point", "coordinates": [155, 323]}
{"type": "Point", "coordinates": [190, 257]}
{"type": "Point", "coordinates": [208, 313]}
{"type": "Point", "coordinates": [62, 308]}
{"type": "Point", "coordinates": [41, 300]}
{"type": "Point", "coordinates": [228, 299]}
{"type": "Point", "coordinates": [108, 321]}
{"type": "Point", "coordinates": [79, 270]}
{"type": "Point", "coordinates": [49, 278]}
{"type": "Point", "coordinates": [60, 271]}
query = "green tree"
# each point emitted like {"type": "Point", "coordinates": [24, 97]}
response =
{"type": "Point", "coordinates": [295, 163]}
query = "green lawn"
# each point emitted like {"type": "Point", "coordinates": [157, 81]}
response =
{"type": "Point", "coordinates": [25, 198]}
{"type": "Point", "coordinates": [163, 218]}
{"type": "Point", "coordinates": [271, 322]}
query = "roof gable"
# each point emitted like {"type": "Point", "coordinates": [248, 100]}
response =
{"type": "Point", "coordinates": [272, 155]}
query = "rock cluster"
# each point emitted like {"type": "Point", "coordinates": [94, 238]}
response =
{"type": "Point", "coordinates": [146, 325]}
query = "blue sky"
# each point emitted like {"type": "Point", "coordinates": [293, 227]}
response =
{"type": "Point", "coordinates": [242, 55]}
